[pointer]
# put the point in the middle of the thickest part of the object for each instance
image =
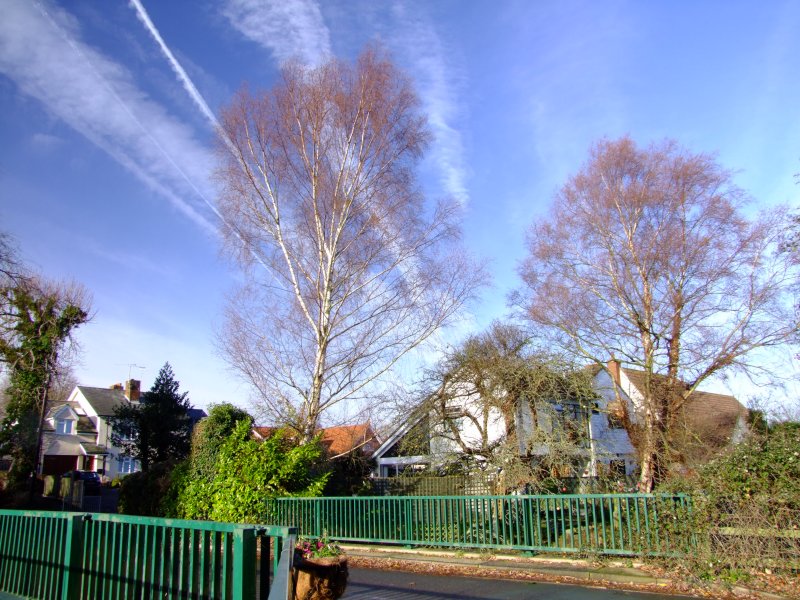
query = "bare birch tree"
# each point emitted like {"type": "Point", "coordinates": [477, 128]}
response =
{"type": "Point", "coordinates": [349, 268]}
{"type": "Point", "coordinates": [648, 258]}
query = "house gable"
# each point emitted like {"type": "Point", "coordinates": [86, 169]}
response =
{"type": "Point", "coordinates": [706, 423]}
{"type": "Point", "coordinates": [89, 440]}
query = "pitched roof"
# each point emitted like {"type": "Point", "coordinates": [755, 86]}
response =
{"type": "Point", "coordinates": [196, 414]}
{"type": "Point", "coordinates": [93, 449]}
{"type": "Point", "coordinates": [700, 405]}
{"type": "Point", "coordinates": [338, 440]}
{"type": "Point", "coordinates": [103, 400]}
{"type": "Point", "coordinates": [346, 438]}
{"type": "Point", "coordinates": [706, 423]}
{"type": "Point", "coordinates": [84, 423]}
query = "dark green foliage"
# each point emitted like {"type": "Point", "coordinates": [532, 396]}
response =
{"type": "Point", "coordinates": [349, 475]}
{"type": "Point", "coordinates": [210, 434]}
{"type": "Point", "coordinates": [158, 427]}
{"type": "Point", "coordinates": [147, 492]}
{"type": "Point", "coordinates": [746, 508]}
{"type": "Point", "coordinates": [36, 322]}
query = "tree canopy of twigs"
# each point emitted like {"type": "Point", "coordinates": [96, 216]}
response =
{"type": "Point", "coordinates": [349, 269]}
{"type": "Point", "coordinates": [648, 257]}
{"type": "Point", "coordinates": [493, 402]}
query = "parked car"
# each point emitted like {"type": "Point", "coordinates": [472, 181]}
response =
{"type": "Point", "coordinates": [91, 481]}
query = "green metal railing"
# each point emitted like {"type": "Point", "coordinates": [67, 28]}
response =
{"type": "Point", "coordinates": [622, 524]}
{"type": "Point", "coordinates": [70, 556]}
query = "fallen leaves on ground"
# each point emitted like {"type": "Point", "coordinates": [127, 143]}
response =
{"type": "Point", "coordinates": [480, 570]}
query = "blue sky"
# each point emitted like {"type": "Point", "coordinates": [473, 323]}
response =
{"type": "Point", "coordinates": [106, 123]}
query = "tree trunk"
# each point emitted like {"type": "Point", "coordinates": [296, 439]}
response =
{"type": "Point", "coordinates": [652, 457]}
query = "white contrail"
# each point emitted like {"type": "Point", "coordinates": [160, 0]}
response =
{"type": "Point", "coordinates": [188, 85]}
{"type": "Point", "coordinates": [194, 94]}
{"type": "Point", "coordinates": [167, 155]}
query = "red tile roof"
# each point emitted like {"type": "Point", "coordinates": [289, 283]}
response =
{"type": "Point", "coordinates": [344, 439]}
{"type": "Point", "coordinates": [339, 440]}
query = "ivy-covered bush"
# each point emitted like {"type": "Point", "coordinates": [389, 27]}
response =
{"type": "Point", "coordinates": [210, 434]}
{"type": "Point", "coordinates": [247, 474]}
{"type": "Point", "coordinates": [764, 470]}
{"type": "Point", "coordinates": [229, 476]}
{"type": "Point", "coordinates": [746, 510]}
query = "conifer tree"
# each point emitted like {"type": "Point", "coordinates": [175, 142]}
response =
{"type": "Point", "coordinates": [158, 427]}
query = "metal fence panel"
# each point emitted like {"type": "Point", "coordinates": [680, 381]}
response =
{"type": "Point", "coordinates": [72, 556]}
{"type": "Point", "coordinates": [621, 524]}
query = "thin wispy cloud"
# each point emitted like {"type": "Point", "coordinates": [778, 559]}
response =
{"type": "Point", "coordinates": [190, 88]}
{"type": "Point", "coordinates": [568, 79]}
{"type": "Point", "coordinates": [130, 262]}
{"type": "Point", "coordinates": [287, 28]}
{"type": "Point", "coordinates": [42, 52]}
{"type": "Point", "coordinates": [45, 142]}
{"type": "Point", "coordinates": [438, 88]}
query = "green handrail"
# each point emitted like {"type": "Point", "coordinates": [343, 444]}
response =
{"type": "Point", "coordinates": [69, 556]}
{"type": "Point", "coordinates": [618, 524]}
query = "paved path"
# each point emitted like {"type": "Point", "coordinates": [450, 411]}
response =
{"type": "Point", "coordinates": [369, 584]}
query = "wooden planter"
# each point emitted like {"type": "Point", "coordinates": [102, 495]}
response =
{"type": "Point", "coordinates": [319, 578]}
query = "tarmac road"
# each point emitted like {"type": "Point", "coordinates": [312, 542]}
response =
{"type": "Point", "coordinates": [371, 584]}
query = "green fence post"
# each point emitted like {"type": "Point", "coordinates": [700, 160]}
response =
{"type": "Point", "coordinates": [244, 563]}
{"type": "Point", "coordinates": [73, 555]}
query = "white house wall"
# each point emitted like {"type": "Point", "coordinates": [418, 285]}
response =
{"type": "Point", "coordinates": [607, 443]}
{"type": "Point", "coordinates": [103, 435]}
{"type": "Point", "coordinates": [469, 402]}
{"type": "Point", "coordinates": [611, 442]}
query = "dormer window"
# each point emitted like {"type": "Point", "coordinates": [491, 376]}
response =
{"type": "Point", "coordinates": [64, 426]}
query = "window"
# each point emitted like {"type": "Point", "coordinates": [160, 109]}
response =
{"type": "Point", "coordinates": [125, 432]}
{"type": "Point", "coordinates": [616, 415]}
{"type": "Point", "coordinates": [127, 464]}
{"type": "Point", "coordinates": [64, 426]}
{"type": "Point", "coordinates": [453, 412]}
{"type": "Point", "coordinates": [573, 420]}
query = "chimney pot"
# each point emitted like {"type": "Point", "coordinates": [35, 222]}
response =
{"type": "Point", "coordinates": [133, 390]}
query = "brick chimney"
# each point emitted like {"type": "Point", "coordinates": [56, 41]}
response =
{"type": "Point", "coordinates": [115, 386]}
{"type": "Point", "coordinates": [132, 389]}
{"type": "Point", "coordinates": [613, 368]}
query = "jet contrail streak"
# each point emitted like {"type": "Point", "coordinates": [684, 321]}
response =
{"type": "Point", "coordinates": [188, 85]}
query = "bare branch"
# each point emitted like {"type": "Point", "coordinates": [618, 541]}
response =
{"type": "Point", "coordinates": [318, 177]}
{"type": "Point", "coordinates": [648, 258]}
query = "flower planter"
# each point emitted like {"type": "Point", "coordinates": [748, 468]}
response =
{"type": "Point", "coordinates": [319, 578]}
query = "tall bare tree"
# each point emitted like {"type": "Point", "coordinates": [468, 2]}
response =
{"type": "Point", "coordinates": [349, 269]}
{"type": "Point", "coordinates": [647, 257]}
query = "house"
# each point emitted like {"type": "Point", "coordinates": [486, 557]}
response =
{"type": "Point", "coordinates": [706, 424]}
{"type": "Point", "coordinates": [337, 441]}
{"type": "Point", "coordinates": [77, 434]}
{"type": "Point", "coordinates": [593, 432]}
{"type": "Point", "coordinates": [466, 426]}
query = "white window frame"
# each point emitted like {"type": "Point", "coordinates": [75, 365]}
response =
{"type": "Point", "coordinates": [127, 465]}
{"type": "Point", "coordinates": [64, 426]}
